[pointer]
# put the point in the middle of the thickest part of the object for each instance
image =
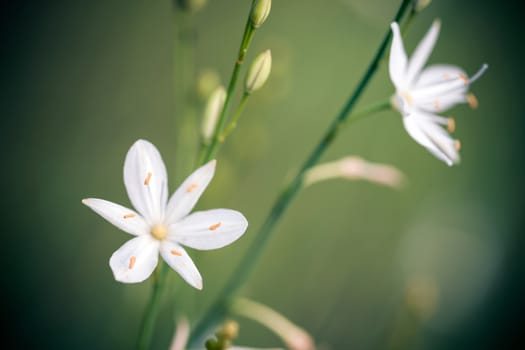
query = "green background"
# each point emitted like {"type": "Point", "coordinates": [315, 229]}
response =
{"type": "Point", "coordinates": [82, 80]}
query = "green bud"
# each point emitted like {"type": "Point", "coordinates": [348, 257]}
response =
{"type": "Point", "coordinates": [212, 113]}
{"type": "Point", "coordinates": [229, 331]}
{"type": "Point", "coordinates": [191, 5]}
{"type": "Point", "coordinates": [420, 5]}
{"type": "Point", "coordinates": [260, 11]}
{"type": "Point", "coordinates": [207, 82]}
{"type": "Point", "coordinates": [258, 72]}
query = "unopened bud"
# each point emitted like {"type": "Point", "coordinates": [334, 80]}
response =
{"type": "Point", "coordinates": [207, 82]}
{"type": "Point", "coordinates": [420, 5]}
{"type": "Point", "coordinates": [260, 11]}
{"type": "Point", "coordinates": [212, 112]}
{"type": "Point", "coordinates": [258, 72]}
{"type": "Point", "coordinates": [191, 5]}
{"type": "Point", "coordinates": [229, 331]}
{"type": "Point", "coordinates": [355, 168]}
{"type": "Point", "coordinates": [292, 335]}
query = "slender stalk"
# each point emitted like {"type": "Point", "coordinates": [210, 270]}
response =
{"type": "Point", "coordinates": [183, 58]}
{"type": "Point", "coordinates": [235, 118]}
{"type": "Point", "coordinates": [249, 30]}
{"type": "Point", "coordinates": [184, 79]}
{"type": "Point", "coordinates": [369, 110]}
{"type": "Point", "coordinates": [148, 323]}
{"type": "Point", "coordinates": [219, 308]}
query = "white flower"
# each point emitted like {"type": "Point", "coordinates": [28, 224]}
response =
{"type": "Point", "coordinates": [420, 93]}
{"type": "Point", "coordinates": [163, 226]}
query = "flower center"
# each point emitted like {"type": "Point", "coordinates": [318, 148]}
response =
{"type": "Point", "coordinates": [159, 232]}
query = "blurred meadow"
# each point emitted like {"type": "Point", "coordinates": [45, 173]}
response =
{"type": "Point", "coordinates": [436, 265]}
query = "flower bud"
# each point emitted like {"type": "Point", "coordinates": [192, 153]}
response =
{"type": "Point", "coordinates": [191, 5]}
{"type": "Point", "coordinates": [292, 335]}
{"type": "Point", "coordinates": [212, 112]}
{"type": "Point", "coordinates": [355, 168]}
{"type": "Point", "coordinates": [207, 82]}
{"type": "Point", "coordinates": [260, 11]}
{"type": "Point", "coordinates": [258, 72]}
{"type": "Point", "coordinates": [420, 5]}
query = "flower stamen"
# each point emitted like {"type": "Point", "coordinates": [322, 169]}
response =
{"type": "Point", "coordinates": [472, 101]}
{"type": "Point", "coordinates": [132, 261]}
{"type": "Point", "coordinates": [464, 78]}
{"type": "Point", "coordinates": [147, 179]}
{"type": "Point", "coordinates": [159, 232]}
{"type": "Point", "coordinates": [451, 124]}
{"type": "Point", "coordinates": [129, 216]}
{"type": "Point", "coordinates": [176, 252]}
{"type": "Point", "coordinates": [192, 187]}
{"type": "Point", "coordinates": [457, 145]}
{"type": "Point", "coordinates": [215, 226]}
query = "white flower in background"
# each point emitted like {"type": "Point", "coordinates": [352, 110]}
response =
{"type": "Point", "coordinates": [163, 226]}
{"type": "Point", "coordinates": [420, 93]}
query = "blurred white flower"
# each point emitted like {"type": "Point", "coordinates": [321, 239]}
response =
{"type": "Point", "coordinates": [293, 336]}
{"type": "Point", "coordinates": [420, 93]}
{"type": "Point", "coordinates": [355, 168]}
{"type": "Point", "coordinates": [163, 226]}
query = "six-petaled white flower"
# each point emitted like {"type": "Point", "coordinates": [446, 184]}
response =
{"type": "Point", "coordinates": [161, 225]}
{"type": "Point", "coordinates": [420, 93]}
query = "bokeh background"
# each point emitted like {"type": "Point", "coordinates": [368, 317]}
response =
{"type": "Point", "coordinates": [438, 265]}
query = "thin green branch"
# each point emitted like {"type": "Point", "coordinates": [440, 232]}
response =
{"type": "Point", "coordinates": [148, 322]}
{"type": "Point", "coordinates": [249, 31]}
{"type": "Point", "coordinates": [235, 118]}
{"type": "Point", "coordinates": [219, 308]}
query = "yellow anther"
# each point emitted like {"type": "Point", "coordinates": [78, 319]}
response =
{"type": "Point", "coordinates": [457, 145]}
{"type": "Point", "coordinates": [463, 77]}
{"type": "Point", "coordinates": [407, 97]}
{"type": "Point", "coordinates": [132, 261]}
{"type": "Point", "coordinates": [147, 179]}
{"type": "Point", "coordinates": [215, 226]}
{"type": "Point", "coordinates": [192, 187]}
{"type": "Point", "coordinates": [129, 216]}
{"type": "Point", "coordinates": [176, 252]}
{"type": "Point", "coordinates": [451, 125]}
{"type": "Point", "coordinates": [472, 101]}
{"type": "Point", "coordinates": [159, 232]}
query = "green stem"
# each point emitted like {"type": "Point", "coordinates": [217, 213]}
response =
{"type": "Point", "coordinates": [148, 323]}
{"type": "Point", "coordinates": [369, 110]}
{"type": "Point", "coordinates": [211, 150]}
{"type": "Point", "coordinates": [235, 118]}
{"type": "Point", "coordinates": [183, 77]}
{"type": "Point", "coordinates": [218, 309]}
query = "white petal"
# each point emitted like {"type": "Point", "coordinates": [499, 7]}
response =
{"type": "Point", "coordinates": [125, 219]}
{"type": "Point", "coordinates": [135, 260]}
{"type": "Point", "coordinates": [431, 136]}
{"type": "Point", "coordinates": [211, 229]}
{"type": "Point", "coordinates": [424, 49]}
{"type": "Point", "coordinates": [398, 59]}
{"type": "Point", "coordinates": [438, 81]}
{"type": "Point", "coordinates": [442, 103]}
{"type": "Point", "coordinates": [438, 73]}
{"type": "Point", "coordinates": [187, 195]}
{"type": "Point", "coordinates": [146, 180]}
{"type": "Point", "coordinates": [180, 261]}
